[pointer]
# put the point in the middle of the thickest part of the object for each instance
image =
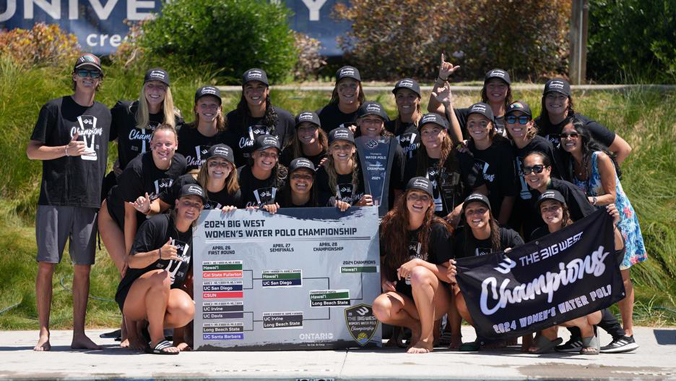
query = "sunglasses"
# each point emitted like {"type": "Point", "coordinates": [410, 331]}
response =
{"type": "Point", "coordinates": [523, 119]}
{"type": "Point", "coordinates": [82, 73]}
{"type": "Point", "coordinates": [536, 168]}
{"type": "Point", "coordinates": [570, 135]}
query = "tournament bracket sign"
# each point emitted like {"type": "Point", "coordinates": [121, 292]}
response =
{"type": "Point", "coordinates": [303, 278]}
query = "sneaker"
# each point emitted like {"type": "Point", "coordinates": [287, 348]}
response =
{"type": "Point", "coordinates": [573, 345]}
{"type": "Point", "coordinates": [620, 345]}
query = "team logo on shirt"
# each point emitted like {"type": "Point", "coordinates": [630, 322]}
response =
{"type": "Point", "coordinates": [344, 192]}
{"type": "Point", "coordinates": [178, 269]}
{"type": "Point", "coordinates": [160, 185]}
{"type": "Point", "coordinates": [482, 167]}
{"type": "Point", "coordinates": [433, 177]}
{"type": "Point", "coordinates": [265, 196]}
{"type": "Point", "coordinates": [197, 160]}
{"type": "Point", "coordinates": [254, 132]}
{"type": "Point", "coordinates": [87, 131]}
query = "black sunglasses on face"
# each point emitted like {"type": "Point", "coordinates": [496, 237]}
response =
{"type": "Point", "coordinates": [536, 168]}
{"type": "Point", "coordinates": [82, 73]}
{"type": "Point", "coordinates": [523, 119]}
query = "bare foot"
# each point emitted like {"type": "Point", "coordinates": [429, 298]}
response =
{"type": "Point", "coordinates": [421, 347]}
{"type": "Point", "coordinates": [43, 344]}
{"type": "Point", "coordinates": [124, 343]}
{"type": "Point", "coordinates": [81, 341]}
{"type": "Point", "coordinates": [456, 342]}
{"type": "Point", "coordinates": [183, 347]}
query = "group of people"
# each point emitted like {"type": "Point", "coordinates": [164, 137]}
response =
{"type": "Point", "coordinates": [463, 182]}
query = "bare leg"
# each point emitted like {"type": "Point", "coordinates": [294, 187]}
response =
{"type": "Point", "coordinates": [113, 239]}
{"type": "Point", "coordinates": [454, 320]}
{"type": "Point", "coordinates": [431, 301]}
{"type": "Point", "coordinates": [43, 293]}
{"type": "Point", "coordinates": [398, 310]}
{"type": "Point", "coordinates": [627, 304]}
{"type": "Point", "coordinates": [80, 298]}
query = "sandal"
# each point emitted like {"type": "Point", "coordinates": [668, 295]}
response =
{"type": "Point", "coordinates": [161, 348]}
{"type": "Point", "coordinates": [542, 345]}
{"type": "Point", "coordinates": [590, 346]}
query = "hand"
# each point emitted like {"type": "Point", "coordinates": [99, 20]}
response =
{"type": "Point", "coordinates": [463, 147]}
{"type": "Point", "coordinates": [386, 286]}
{"type": "Point", "coordinates": [271, 208]}
{"type": "Point", "coordinates": [365, 200]}
{"type": "Point", "coordinates": [228, 209]}
{"type": "Point", "coordinates": [322, 161]}
{"type": "Point", "coordinates": [443, 94]}
{"type": "Point", "coordinates": [454, 217]}
{"type": "Point", "coordinates": [342, 205]}
{"type": "Point", "coordinates": [451, 271]}
{"type": "Point", "coordinates": [612, 210]}
{"type": "Point", "coordinates": [142, 204]}
{"type": "Point", "coordinates": [75, 147]}
{"type": "Point", "coordinates": [446, 69]}
{"type": "Point", "coordinates": [405, 270]}
{"type": "Point", "coordinates": [168, 252]}
{"type": "Point", "coordinates": [353, 128]}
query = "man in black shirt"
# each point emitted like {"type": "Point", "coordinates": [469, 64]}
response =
{"type": "Point", "coordinates": [71, 139]}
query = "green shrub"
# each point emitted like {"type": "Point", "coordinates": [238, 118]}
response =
{"type": "Point", "coordinates": [391, 39]}
{"type": "Point", "coordinates": [632, 40]}
{"type": "Point", "coordinates": [42, 45]}
{"type": "Point", "coordinates": [227, 36]}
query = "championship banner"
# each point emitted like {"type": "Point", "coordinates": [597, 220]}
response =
{"type": "Point", "coordinates": [376, 156]}
{"type": "Point", "coordinates": [303, 278]}
{"type": "Point", "coordinates": [562, 276]}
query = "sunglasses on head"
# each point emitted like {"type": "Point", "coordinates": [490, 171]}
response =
{"type": "Point", "coordinates": [523, 119]}
{"type": "Point", "coordinates": [569, 135]}
{"type": "Point", "coordinates": [535, 168]}
{"type": "Point", "coordinates": [83, 73]}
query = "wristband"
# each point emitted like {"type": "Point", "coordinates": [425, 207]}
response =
{"type": "Point", "coordinates": [442, 80]}
{"type": "Point", "coordinates": [160, 253]}
{"type": "Point", "coordinates": [594, 200]}
{"type": "Point", "coordinates": [66, 147]}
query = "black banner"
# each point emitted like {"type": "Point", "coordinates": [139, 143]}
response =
{"type": "Point", "coordinates": [562, 276]}
{"type": "Point", "coordinates": [376, 156]}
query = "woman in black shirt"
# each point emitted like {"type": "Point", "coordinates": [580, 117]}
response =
{"type": "Point", "coordinates": [299, 191]}
{"type": "Point", "coordinates": [415, 250]}
{"type": "Point", "coordinates": [405, 126]}
{"type": "Point", "coordinates": [309, 141]}
{"type": "Point", "coordinates": [346, 98]}
{"type": "Point", "coordinates": [155, 286]}
{"type": "Point", "coordinates": [262, 180]}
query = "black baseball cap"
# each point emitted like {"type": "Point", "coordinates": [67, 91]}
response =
{"type": "Point", "coordinates": [300, 163]}
{"type": "Point", "coordinates": [341, 133]}
{"type": "Point", "coordinates": [433, 118]}
{"type": "Point", "coordinates": [550, 194]}
{"type": "Point", "coordinates": [372, 108]}
{"type": "Point", "coordinates": [348, 72]}
{"type": "Point", "coordinates": [208, 90]}
{"type": "Point", "coordinates": [557, 85]}
{"type": "Point", "coordinates": [422, 184]}
{"type": "Point", "coordinates": [157, 74]}
{"type": "Point", "coordinates": [519, 106]}
{"type": "Point", "coordinates": [255, 75]}
{"type": "Point", "coordinates": [89, 61]}
{"type": "Point", "coordinates": [266, 141]}
{"type": "Point", "coordinates": [483, 109]}
{"type": "Point", "coordinates": [498, 73]}
{"type": "Point", "coordinates": [193, 190]}
{"type": "Point", "coordinates": [476, 197]}
{"type": "Point", "coordinates": [223, 151]}
{"type": "Point", "coordinates": [308, 116]}
{"type": "Point", "coordinates": [407, 83]}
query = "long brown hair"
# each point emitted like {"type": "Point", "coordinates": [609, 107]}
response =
{"type": "Point", "coordinates": [231, 182]}
{"type": "Point", "coordinates": [394, 234]}
{"type": "Point", "coordinates": [297, 146]}
{"type": "Point", "coordinates": [494, 237]}
{"type": "Point", "coordinates": [335, 99]}
{"type": "Point", "coordinates": [446, 160]}
{"type": "Point", "coordinates": [330, 166]}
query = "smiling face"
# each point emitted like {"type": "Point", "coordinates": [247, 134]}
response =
{"type": "Point", "coordinates": [571, 141]}
{"type": "Point", "coordinates": [155, 91]}
{"type": "Point", "coordinates": [517, 130]}
{"type": "Point", "coordinates": [418, 202]}
{"type": "Point", "coordinates": [163, 146]}
{"type": "Point", "coordinates": [218, 168]}
{"type": "Point", "coordinates": [307, 133]}
{"type": "Point", "coordinates": [556, 103]}
{"type": "Point", "coordinates": [476, 215]}
{"type": "Point", "coordinates": [341, 151]}
{"type": "Point", "coordinates": [432, 136]}
{"type": "Point", "coordinates": [255, 93]}
{"type": "Point", "coordinates": [371, 126]}
{"type": "Point", "coordinates": [479, 127]}
{"type": "Point", "coordinates": [496, 90]}
{"type": "Point", "coordinates": [84, 81]}
{"type": "Point", "coordinates": [266, 159]}
{"type": "Point", "coordinates": [301, 181]}
{"type": "Point", "coordinates": [407, 101]}
{"type": "Point", "coordinates": [348, 91]}
{"type": "Point", "coordinates": [189, 208]}
{"type": "Point", "coordinates": [533, 164]}
{"type": "Point", "coordinates": [207, 108]}
{"type": "Point", "coordinates": [552, 213]}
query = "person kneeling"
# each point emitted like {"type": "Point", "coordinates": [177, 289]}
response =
{"type": "Point", "coordinates": [154, 287]}
{"type": "Point", "coordinates": [415, 246]}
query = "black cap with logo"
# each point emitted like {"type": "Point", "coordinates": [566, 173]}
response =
{"type": "Point", "coordinates": [433, 118]}
{"type": "Point", "coordinates": [301, 163]}
{"type": "Point", "coordinates": [519, 106]}
{"type": "Point", "coordinates": [266, 141]}
{"type": "Point", "coordinates": [498, 73]}
{"type": "Point", "coordinates": [482, 109]}
{"type": "Point", "coordinates": [193, 190]}
{"type": "Point", "coordinates": [157, 74]}
{"type": "Point", "coordinates": [341, 133]}
{"type": "Point", "coordinates": [557, 85]}
{"type": "Point", "coordinates": [372, 108]}
{"type": "Point", "coordinates": [88, 61]}
{"type": "Point", "coordinates": [407, 83]}
{"type": "Point", "coordinates": [550, 194]}
{"type": "Point", "coordinates": [308, 116]}
{"type": "Point", "coordinates": [476, 197]}
{"type": "Point", "coordinates": [255, 75]}
{"type": "Point", "coordinates": [421, 184]}
{"type": "Point", "coordinates": [348, 72]}
{"type": "Point", "coordinates": [223, 151]}
{"type": "Point", "coordinates": [208, 90]}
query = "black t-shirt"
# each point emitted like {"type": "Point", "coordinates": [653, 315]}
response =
{"type": "Point", "coordinates": [73, 180]}
{"type": "Point", "coordinates": [577, 202]}
{"type": "Point", "coordinates": [152, 235]}
{"type": "Point", "coordinates": [461, 183]}
{"type": "Point", "coordinates": [243, 130]}
{"type": "Point", "coordinates": [287, 156]}
{"type": "Point", "coordinates": [214, 200]}
{"type": "Point", "coordinates": [407, 135]}
{"type": "Point", "coordinates": [476, 247]}
{"type": "Point", "coordinates": [132, 141]}
{"type": "Point", "coordinates": [257, 192]}
{"type": "Point", "coordinates": [463, 113]}
{"type": "Point", "coordinates": [345, 192]}
{"type": "Point", "coordinates": [332, 118]}
{"type": "Point", "coordinates": [537, 144]}
{"type": "Point", "coordinates": [496, 163]}
{"type": "Point", "coordinates": [141, 176]}
{"type": "Point", "coordinates": [194, 146]}
{"type": "Point", "coordinates": [598, 131]}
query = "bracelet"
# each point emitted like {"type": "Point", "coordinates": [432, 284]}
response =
{"type": "Point", "coordinates": [66, 147]}
{"type": "Point", "coordinates": [441, 79]}
{"type": "Point", "coordinates": [160, 253]}
{"type": "Point", "coordinates": [594, 200]}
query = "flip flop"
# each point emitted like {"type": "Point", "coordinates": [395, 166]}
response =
{"type": "Point", "coordinates": [161, 348]}
{"type": "Point", "coordinates": [544, 345]}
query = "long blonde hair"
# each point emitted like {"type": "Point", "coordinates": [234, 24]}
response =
{"type": "Point", "coordinates": [231, 183]}
{"type": "Point", "coordinates": [333, 175]}
{"type": "Point", "coordinates": [168, 109]}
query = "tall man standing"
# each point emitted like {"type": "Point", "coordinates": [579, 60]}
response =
{"type": "Point", "coordinates": [71, 139]}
